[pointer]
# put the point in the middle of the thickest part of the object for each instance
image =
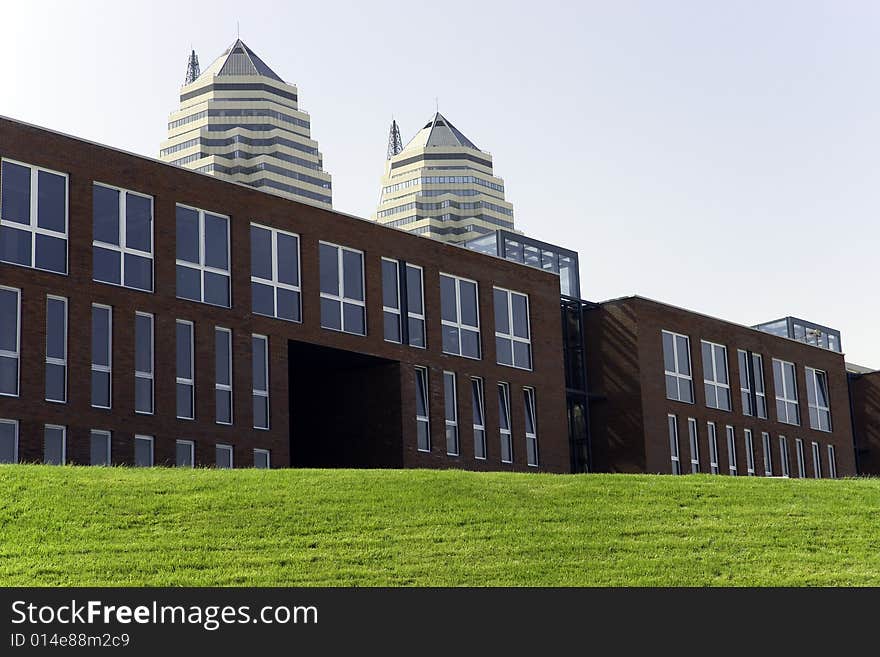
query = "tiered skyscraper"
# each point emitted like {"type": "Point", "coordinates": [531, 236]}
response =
{"type": "Point", "coordinates": [441, 185]}
{"type": "Point", "coordinates": [239, 121]}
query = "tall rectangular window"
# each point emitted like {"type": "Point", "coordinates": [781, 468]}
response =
{"type": "Point", "coordinates": [787, 410]}
{"type": "Point", "coordinates": [832, 463]}
{"type": "Point", "coordinates": [817, 461]}
{"type": "Point", "coordinates": [713, 448]}
{"type": "Point", "coordinates": [715, 379]}
{"type": "Point", "coordinates": [122, 237]}
{"type": "Point", "coordinates": [677, 364]}
{"type": "Point", "coordinates": [33, 217]}
{"type": "Point", "coordinates": [143, 451]}
{"type": "Point", "coordinates": [817, 399]}
{"type": "Point", "coordinates": [799, 449]}
{"type": "Point", "coordinates": [693, 436]}
{"type": "Point", "coordinates": [531, 426]}
{"type": "Point", "coordinates": [504, 423]}
{"type": "Point", "coordinates": [460, 316]}
{"type": "Point", "coordinates": [513, 342]}
{"type": "Point", "coordinates": [56, 349]}
{"type": "Point", "coordinates": [391, 306]}
{"type": "Point", "coordinates": [260, 363]}
{"type": "Point", "coordinates": [731, 449]}
{"type": "Point", "coordinates": [102, 356]}
{"type": "Point", "coordinates": [415, 306]}
{"type": "Point", "coordinates": [451, 409]}
{"type": "Point", "coordinates": [144, 358]}
{"type": "Point", "coordinates": [99, 447]}
{"type": "Point", "coordinates": [783, 456]}
{"type": "Point", "coordinates": [223, 456]}
{"type": "Point", "coordinates": [403, 303]}
{"type": "Point", "coordinates": [261, 459]}
{"type": "Point", "coordinates": [9, 441]}
{"type": "Point", "coordinates": [186, 385]}
{"type": "Point", "coordinates": [275, 275]}
{"type": "Point", "coordinates": [54, 444]}
{"type": "Point", "coordinates": [768, 456]}
{"type": "Point", "coordinates": [223, 375]}
{"type": "Point", "coordinates": [343, 305]}
{"type": "Point", "coordinates": [10, 340]}
{"type": "Point", "coordinates": [672, 421]}
{"type": "Point", "coordinates": [423, 422]}
{"type": "Point", "coordinates": [185, 454]}
{"type": "Point", "coordinates": [750, 453]}
{"type": "Point", "coordinates": [751, 377]}
{"type": "Point", "coordinates": [203, 257]}
{"type": "Point", "coordinates": [479, 409]}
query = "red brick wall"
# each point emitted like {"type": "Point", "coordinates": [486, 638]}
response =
{"type": "Point", "coordinates": [865, 390]}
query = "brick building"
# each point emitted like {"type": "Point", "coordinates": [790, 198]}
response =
{"type": "Point", "coordinates": [154, 315]}
{"type": "Point", "coordinates": [864, 387]}
{"type": "Point", "coordinates": [674, 391]}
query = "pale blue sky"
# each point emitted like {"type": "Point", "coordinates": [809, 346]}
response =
{"type": "Point", "coordinates": [720, 156]}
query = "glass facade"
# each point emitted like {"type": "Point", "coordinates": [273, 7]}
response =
{"type": "Point", "coordinates": [804, 331]}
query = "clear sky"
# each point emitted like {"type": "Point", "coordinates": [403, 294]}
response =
{"type": "Point", "coordinates": [720, 156]}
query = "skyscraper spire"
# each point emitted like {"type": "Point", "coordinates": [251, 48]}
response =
{"type": "Point", "coordinates": [192, 68]}
{"type": "Point", "coordinates": [395, 144]}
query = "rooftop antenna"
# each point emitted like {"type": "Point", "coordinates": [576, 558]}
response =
{"type": "Point", "coordinates": [395, 144]}
{"type": "Point", "coordinates": [192, 67]}
{"type": "Point", "coordinates": [237, 30]}
{"type": "Point", "coordinates": [436, 105]}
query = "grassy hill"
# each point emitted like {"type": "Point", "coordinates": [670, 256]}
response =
{"type": "Point", "coordinates": [122, 526]}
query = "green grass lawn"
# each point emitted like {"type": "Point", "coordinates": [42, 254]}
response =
{"type": "Point", "coordinates": [82, 526]}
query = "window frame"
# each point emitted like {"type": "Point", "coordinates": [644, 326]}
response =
{"type": "Point", "coordinates": [17, 353]}
{"type": "Point", "coordinates": [183, 381]}
{"type": "Point", "coordinates": [151, 375]}
{"type": "Point", "coordinates": [675, 455]}
{"type": "Point", "coordinates": [459, 325]}
{"type": "Point", "coordinates": [122, 248]}
{"type": "Point", "coordinates": [750, 452]}
{"type": "Point", "coordinates": [32, 227]}
{"type": "Point", "coordinates": [801, 460]}
{"type": "Point", "coordinates": [732, 465]}
{"type": "Point", "coordinates": [341, 298]}
{"type": "Point", "coordinates": [478, 402]}
{"type": "Point", "coordinates": [59, 362]}
{"type": "Point", "coordinates": [201, 267]}
{"type": "Point", "coordinates": [192, 452]}
{"type": "Point", "coordinates": [275, 284]}
{"type": "Point", "coordinates": [152, 441]}
{"type": "Point", "coordinates": [389, 309]}
{"type": "Point", "coordinates": [715, 383]}
{"type": "Point", "coordinates": [530, 404]}
{"type": "Point", "coordinates": [223, 446]}
{"type": "Point", "coordinates": [421, 375]}
{"type": "Point", "coordinates": [712, 432]}
{"type": "Point", "coordinates": [780, 388]}
{"type": "Point", "coordinates": [420, 317]}
{"type": "Point", "coordinates": [223, 387]}
{"type": "Point", "coordinates": [109, 436]}
{"type": "Point", "coordinates": [817, 460]}
{"type": "Point", "coordinates": [105, 369]}
{"type": "Point", "coordinates": [784, 456]}
{"type": "Point", "coordinates": [15, 429]}
{"type": "Point", "coordinates": [63, 430]}
{"type": "Point", "coordinates": [832, 462]}
{"type": "Point", "coordinates": [268, 454]}
{"type": "Point", "coordinates": [504, 411]}
{"type": "Point", "coordinates": [678, 376]}
{"type": "Point", "coordinates": [812, 376]}
{"type": "Point", "coordinates": [768, 453]}
{"type": "Point", "coordinates": [694, 440]}
{"type": "Point", "coordinates": [499, 335]}
{"type": "Point", "coordinates": [255, 392]}
{"type": "Point", "coordinates": [749, 378]}
{"type": "Point", "coordinates": [451, 423]}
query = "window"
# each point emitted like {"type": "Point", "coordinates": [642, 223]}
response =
{"type": "Point", "coordinates": [504, 423]}
{"type": "Point", "coordinates": [451, 404]}
{"type": "Point", "coordinates": [342, 289]}
{"type": "Point", "coordinates": [731, 449]}
{"type": "Point", "coordinates": [415, 306]}
{"type": "Point", "coordinates": [817, 399]}
{"type": "Point", "coordinates": [460, 316]}
{"type": "Point", "coordinates": [799, 450]}
{"type": "Point", "coordinates": [783, 455]}
{"type": "Point", "coordinates": [261, 459]}
{"type": "Point", "coordinates": [786, 392]}
{"type": "Point", "coordinates": [423, 423]}
{"type": "Point", "coordinates": [143, 363]}
{"type": "Point", "coordinates": [33, 217]}
{"type": "Point", "coordinates": [713, 448]}
{"type": "Point", "coordinates": [750, 453]}
{"type": "Point", "coordinates": [223, 375]}
{"type": "Point", "coordinates": [677, 363]}
{"type": "Point", "coordinates": [56, 349]}
{"type": "Point", "coordinates": [768, 457]}
{"type": "Point", "coordinates": [143, 451]}
{"type": "Point", "coordinates": [531, 426]}
{"type": "Point", "coordinates": [695, 445]}
{"type": "Point", "coordinates": [122, 234]}
{"type": "Point", "coordinates": [751, 377]}
{"type": "Point", "coordinates": [186, 387]}
{"type": "Point", "coordinates": [832, 463]}
{"type": "Point", "coordinates": [275, 276]}
{"type": "Point", "coordinates": [9, 441]}
{"type": "Point", "coordinates": [673, 443]}
{"type": "Point", "coordinates": [479, 408]}
{"type": "Point", "coordinates": [715, 379]}
{"type": "Point", "coordinates": [185, 454]}
{"type": "Point", "coordinates": [99, 448]}
{"type": "Point", "coordinates": [223, 456]}
{"type": "Point", "coordinates": [260, 362]}
{"type": "Point", "coordinates": [54, 444]}
{"type": "Point", "coordinates": [513, 344]}
{"type": "Point", "coordinates": [203, 256]}
{"type": "Point", "coordinates": [391, 310]}
{"type": "Point", "coordinates": [817, 461]}
{"type": "Point", "coordinates": [102, 355]}
{"type": "Point", "coordinates": [10, 340]}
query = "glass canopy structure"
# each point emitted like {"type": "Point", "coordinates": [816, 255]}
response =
{"type": "Point", "coordinates": [804, 331]}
